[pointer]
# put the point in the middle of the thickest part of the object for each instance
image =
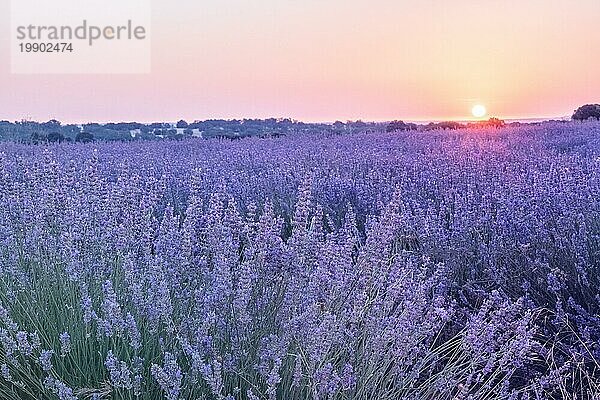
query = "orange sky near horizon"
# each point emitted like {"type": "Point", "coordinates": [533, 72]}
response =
{"type": "Point", "coordinates": [333, 60]}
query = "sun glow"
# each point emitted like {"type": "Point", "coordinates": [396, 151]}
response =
{"type": "Point", "coordinates": [478, 111]}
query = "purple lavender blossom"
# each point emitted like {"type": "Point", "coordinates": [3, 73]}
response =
{"type": "Point", "coordinates": [120, 375]}
{"type": "Point", "coordinates": [168, 376]}
{"type": "Point", "coordinates": [5, 371]}
{"type": "Point", "coordinates": [59, 388]}
{"type": "Point", "coordinates": [25, 347]}
{"type": "Point", "coordinates": [46, 359]}
{"type": "Point", "coordinates": [65, 344]}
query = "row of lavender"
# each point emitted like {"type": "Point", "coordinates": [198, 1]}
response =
{"type": "Point", "coordinates": [417, 266]}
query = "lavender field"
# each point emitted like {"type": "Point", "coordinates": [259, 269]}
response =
{"type": "Point", "coordinates": [437, 265]}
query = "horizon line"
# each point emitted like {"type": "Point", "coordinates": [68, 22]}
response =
{"type": "Point", "coordinates": [306, 121]}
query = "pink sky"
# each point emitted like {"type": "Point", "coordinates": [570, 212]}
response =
{"type": "Point", "coordinates": [328, 60]}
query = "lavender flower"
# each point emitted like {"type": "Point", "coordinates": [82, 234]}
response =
{"type": "Point", "coordinates": [46, 359]}
{"type": "Point", "coordinates": [168, 376]}
{"type": "Point", "coordinates": [59, 388]}
{"type": "Point", "coordinates": [120, 375]}
{"type": "Point", "coordinates": [25, 347]}
{"type": "Point", "coordinates": [6, 372]}
{"type": "Point", "coordinates": [65, 344]}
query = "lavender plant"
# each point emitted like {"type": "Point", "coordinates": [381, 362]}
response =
{"type": "Point", "coordinates": [393, 266]}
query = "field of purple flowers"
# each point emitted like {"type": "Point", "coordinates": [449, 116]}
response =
{"type": "Point", "coordinates": [439, 265]}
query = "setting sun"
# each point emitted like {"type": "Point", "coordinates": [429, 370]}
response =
{"type": "Point", "coordinates": [479, 111]}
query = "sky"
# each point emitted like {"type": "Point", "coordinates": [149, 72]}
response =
{"type": "Point", "coordinates": [327, 60]}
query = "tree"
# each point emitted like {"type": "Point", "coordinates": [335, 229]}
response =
{"type": "Point", "coordinates": [55, 137]}
{"type": "Point", "coordinates": [182, 124]}
{"type": "Point", "coordinates": [396, 126]}
{"type": "Point", "coordinates": [36, 137]}
{"type": "Point", "coordinates": [496, 122]}
{"type": "Point", "coordinates": [339, 125]}
{"type": "Point", "coordinates": [586, 112]}
{"type": "Point", "coordinates": [52, 124]}
{"type": "Point", "coordinates": [451, 125]}
{"type": "Point", "coordinates": [84, 137]}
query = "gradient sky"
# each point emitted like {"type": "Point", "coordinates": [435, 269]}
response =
{"type": "Point", "coordinates": [324, 60]}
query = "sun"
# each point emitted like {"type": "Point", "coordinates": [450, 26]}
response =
{"type": "Point", "coordinates": [479, 111]}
